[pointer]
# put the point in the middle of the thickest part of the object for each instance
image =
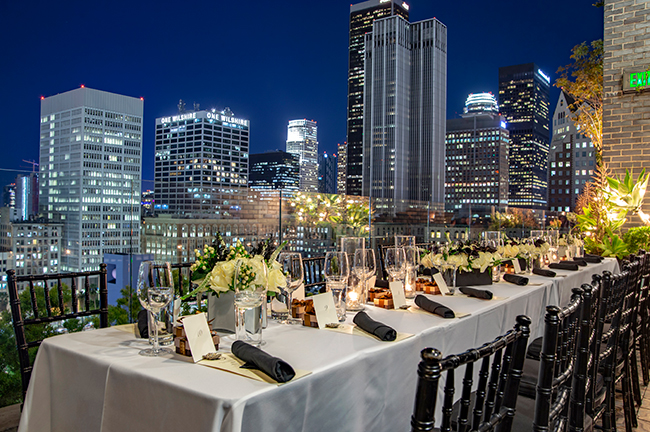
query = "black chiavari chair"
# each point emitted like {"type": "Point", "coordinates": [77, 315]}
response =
{"type": "Point", "coordinates": [52, 310]}
{"type": "Point", "coordinates": [494, 402]}
{"type": "Point", "coordinates": [314, 278]}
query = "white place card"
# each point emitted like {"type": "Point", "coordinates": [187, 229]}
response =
{"type": "Point", "coordinates": [325, 309]}
{"type": "Point", "coordinates": [515, 264]}
{"type": "Point", "coordinates": [198, 335]}
{"type": "Point", "coordinates": [442, 285]}
{"type": "Point", "coordinates": [397, 289]}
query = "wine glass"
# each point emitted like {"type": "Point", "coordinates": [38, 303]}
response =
{"type": "Point", "coordinates": [337, 270]}
{"type": "Point", "coordinates": [250, 295]}
{"type": "Point", "coordinates": [395, 260]}
{"type": "Point", "coordinates": [155, 291]}
{"type": "Point", "coordinates": [365, 266]}
{"type": "Point", "coordinates": [291, 263]}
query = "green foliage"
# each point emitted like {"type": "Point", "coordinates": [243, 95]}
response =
{"type": "Point", "coordinates": [127, 308]}
{"type": "Point", "coordinates": [626, 195]}
{"type": "Point", "coordinates": [10, 383]}
{"type": "Point", "coordinates": [345, 215]}
{"type": "Point", "coordinates": [613, 245]}
{"type": "Point", "coordinates": [583, 81]}
{"type": "Point", "coordinates": [637, 238]}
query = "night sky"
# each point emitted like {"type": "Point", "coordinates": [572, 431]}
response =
{"type": "Point", "coordinates": [269, 61]}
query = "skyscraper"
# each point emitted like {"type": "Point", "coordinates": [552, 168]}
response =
{"type": "Point", "coordinates": [327, 173]}
{"type": "Point", "coordinates": [523, 99]}
{"type": "Point", "coordinates": [275, 170]}
{"type": "Point", "coordinates": [477, 157]}
{"type": "Point", "coordinates": [362, 16]}
{"type": "Point", "coordinates": [90, 173]}
{"type": "Point", "coordinates": [572, 158]}
{"type": "Point", "coordinates": [201, 164]}
{"type": "Point", "coordinates": [341, 169]}
{"type": "Point", "coordinates": [27, 195]}
{"type": "Point", "coordinates": [302, 141]}
{"type": "Point", "coordinates": [404, 113]}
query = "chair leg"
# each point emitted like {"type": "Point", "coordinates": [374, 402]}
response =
{"type": "Point", "coordinates": [634, 377]}
{"type": "Point", "coordinates": [643, 355]}
{"type": "Point", "coordinates": [628, 399]}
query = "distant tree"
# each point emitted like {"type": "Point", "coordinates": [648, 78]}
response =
{"type": "Point", "coordinates": [583, 81]}
{"type": "Point", "coordinates": [126, 310]}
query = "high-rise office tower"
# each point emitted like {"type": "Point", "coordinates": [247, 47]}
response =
{"type": "Point", "coordinates": [90, 173]}
{"type": "Point", "coordinates": [362, 16]}
{"type": "Point", "coordinates": [327, 173]}
{"type": "Point", "coordinates": [201, 164]}
{"type": "Point", "coordinates": [302, 141]}
{"type": "Point", "coordinates": [341, 169]}
{"type": "Point", "coordinates": [27, 195]}
{"type": "Point", "coordinates": [572, 158]}
{"type": "Point", "coordinates": [9, 195]}
{"type": "Point", "coordinates": [404, 113]}
{"type": "Point", "coordinates": [477, 157]}
{"type": "Point", "coordinates": [523, 99]}
{"type": "Point", "coordinates": [276, 170]}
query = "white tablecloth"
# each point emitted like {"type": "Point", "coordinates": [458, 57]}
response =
{"type": "Point", "coordinates": [96, 381]}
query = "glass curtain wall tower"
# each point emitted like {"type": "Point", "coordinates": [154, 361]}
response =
{"type": "Point", "coordinates": [403, 155]}
{"type": "Point", "coordinates": [362, 16]}
{"type": "Point", "coordinates": [90, 173]}
{"type": "Point", "coordinates": [524, 101]}
{"type": "Point", "coordinates": [302, 141]}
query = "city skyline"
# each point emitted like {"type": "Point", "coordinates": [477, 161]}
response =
{"type": "Point", "coordinates": [255, 70]}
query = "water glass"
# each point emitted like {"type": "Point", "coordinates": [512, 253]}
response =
{"type": "Point", "coordinates": [250, 302]}
{"type": "Point", "coordinates": [412, 255]}
{"type": "Point", "coordinates": [337, 271]}
{"type": "Point", "coordinates": [364, 267]}
{"type": "Point", "coordinates": [492, 239]}
{"type": "Point", "coordinates": [155, 291]}
{"type": "Point", "coordinates": [404, 241]}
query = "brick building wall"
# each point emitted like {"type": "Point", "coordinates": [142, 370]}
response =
{"type": "Point", "coordinates": [626, 114]}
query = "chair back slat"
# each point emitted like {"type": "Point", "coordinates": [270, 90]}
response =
{"type": "Point", "coordinates": [184, 272]}
{"type": "Point", "coordinates": [32, 294]}
{"type": "Point", "coordinates": [468, 379]}
{"type": "Point", "coordinates": [59, 290]}
{"type": "Point", "coordinates": [508, 351]}
{"type": "Point", "coordinates": [493, 385]}
{"type": "Point", "coordinates": [73, 292]}
{"type": "Point", "coordinates": [20, 321]}
{"type": "Point", "coordinates": [313, 273]}
{"type": "Point", "coordinates": [481, 393]}
{"type": "Point", "coordinates": [87, 293]}
{"type": "Point", "coordinates": [48, 304]}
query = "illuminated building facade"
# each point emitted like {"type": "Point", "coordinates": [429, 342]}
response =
{"type": "Point", "coordinates": [90, 173]}
{"type": "Point", "coordinates": [327, 173]}
{"type": "Point", "coordinates": [342, 162]}
{"type": "Point", "coordinates": [477, 157]}
{"type": "Point", "coordinates": [201, 162]}
{"type": "Point", "coordinates": [27, 195]}
{"type": "Point", "coordinates": [404, 113]}
{"type": "Point", "coordinates": [572, 158]}
{"type": "Point", "coordinates": [524, 102]}
{"type": "Point", "coordinates": [9, 195]}
{"type": "Point", "coordinates": [302, 141]}
{"type": "Point", "coordinates": [362, 16]}
{"type": "Point", "coordinates": [277, 170]}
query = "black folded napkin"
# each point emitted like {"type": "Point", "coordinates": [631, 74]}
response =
{"type": "Point", "coordinates": [515, 279]}
{"type": "Point", "coordinates": [255, 358]}
{"type": "Point", "coordinates": [544, 272]}
{"type": "Point", "coordinates": [564, 266]}
{"type": "Point", "coordinates": [382, 331]}
{"type": "Point", "coordinates": [143, 323]}
{"type": "Point", "coordinates": [593, 259]}
{"type": "Point", "coordinates": [433, 307]}
{"type": "Point", "coordinates": [380, 283]}
{"type": "Point", "coordinates": [581, 262]}
{"type": "Point", "coordinates": [478, 293]}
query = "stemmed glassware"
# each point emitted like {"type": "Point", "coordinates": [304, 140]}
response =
{"type": "Point", "coordinates": [291, 263]}
{"type": "Point", "coordinates": [155, 291]}
{"type": "Point", "coordinates": [337, 271]}
{"type": "Point", "coordinates": [527, 247]}
{"type": "Point", "coordinates": [249, 298]}
{"type": "Point", "coordinates": [396, 263]}
{"type": "Point", "coordinates": [364, 267]}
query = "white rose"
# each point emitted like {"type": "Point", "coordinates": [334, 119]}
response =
{"type": "Point", "coordinates": [221, 276]}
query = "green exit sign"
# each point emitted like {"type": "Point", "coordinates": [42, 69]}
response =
{"type": "Point", "coordinates": [636, 79]}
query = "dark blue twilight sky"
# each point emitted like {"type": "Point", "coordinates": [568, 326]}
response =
{"type": "Point", "coordinates": [269, 61]}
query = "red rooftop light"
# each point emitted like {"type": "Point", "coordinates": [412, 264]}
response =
{"type": "Point", "coordinates": [83, 86]}
{"type": "Point", "coordinates": [42, 97]}
{"type": "Point", "coordinates": [141, 98]}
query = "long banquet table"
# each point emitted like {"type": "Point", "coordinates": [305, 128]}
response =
{"type": "Point", "coordinates": [96, 381]}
